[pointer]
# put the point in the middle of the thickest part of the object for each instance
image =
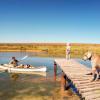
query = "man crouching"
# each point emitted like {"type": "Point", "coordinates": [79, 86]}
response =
{"type": "Point", "coordinates": [95, 62]}
{"type": "Point", "coordinates": [14, 62]}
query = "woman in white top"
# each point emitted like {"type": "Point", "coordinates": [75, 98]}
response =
{"type": "Point", "coordinates": [68, 50]}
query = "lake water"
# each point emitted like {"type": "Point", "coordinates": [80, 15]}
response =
{"type": "Point", "coordinates": [32, 87]}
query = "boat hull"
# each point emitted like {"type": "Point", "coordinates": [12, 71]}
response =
{"type": "Point", "coordinates": [10, 69]}
{"type": "Point", "coordinates": [43, 69]}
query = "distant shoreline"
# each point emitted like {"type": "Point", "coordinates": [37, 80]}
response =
{"type": "Point", "coordinates": [54, 49]}
{"type": "Point", "coordinates": [20, 51]}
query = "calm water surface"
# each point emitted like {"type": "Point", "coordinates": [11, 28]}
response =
{"type": "Point", "coordinates": [32, 87]}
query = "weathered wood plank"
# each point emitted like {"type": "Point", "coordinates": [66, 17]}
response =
{"type": "Point", "coordinates": [76, 72]}
{"type": "Point", "coordinates": [93, 96]}
{"type": "Point", "coordinates": [89, 89]}
{"type": "Point", "coordinates": [91, 93]}
{"type": "Point", "coordinates": [88, 86]}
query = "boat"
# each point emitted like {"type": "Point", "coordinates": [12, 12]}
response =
{"type": "Point", "coordinates": [11, 69]}
{"type": "Point", "coordinates": [39, 69]}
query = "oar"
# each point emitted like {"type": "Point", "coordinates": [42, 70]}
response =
{"type": "Point", "coordinates": [24, 58]}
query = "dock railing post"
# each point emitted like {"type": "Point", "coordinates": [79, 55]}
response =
{"type": "Point", "coordinates": [55, 70]}
{"type": "Point", "coordinates": [63, 81]}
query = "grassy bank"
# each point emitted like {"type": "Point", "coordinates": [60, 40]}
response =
{"type": "Point", "coordinates": [53, 49]}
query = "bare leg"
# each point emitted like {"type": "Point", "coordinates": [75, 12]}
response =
{"type": "Point", "coordinates": [98, 74]}
{"type": "Point", "coordinates": [67, 56]}
{"type": "Point", "coordinates": [94, 75]}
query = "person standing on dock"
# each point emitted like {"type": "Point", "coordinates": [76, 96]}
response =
{"type": "Point", "coordinates": [68, 50]}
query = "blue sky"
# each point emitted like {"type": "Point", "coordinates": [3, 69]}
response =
{"type": "Point", "coordinates": [50, 21]}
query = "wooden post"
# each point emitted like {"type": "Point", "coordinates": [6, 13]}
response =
{"type": "Point", "coordinates": [63, 81]}
{"type": "Point", "coordinates": [55, 70]}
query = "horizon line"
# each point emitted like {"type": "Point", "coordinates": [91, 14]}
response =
{"type": "Point", "coordinates": [46, 43]}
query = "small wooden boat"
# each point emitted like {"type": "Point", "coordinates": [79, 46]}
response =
{"type": "Point", "coordinates": [39, 69]}
{"type": "Point", "coordinates": [11, 69]}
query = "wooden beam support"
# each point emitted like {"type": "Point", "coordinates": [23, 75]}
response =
{"type": "Point", "coordinates": [64, 83]}
{"type": "Point", "coordinates": [55, 70]}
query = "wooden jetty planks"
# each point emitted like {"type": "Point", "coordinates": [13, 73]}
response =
{"type": "Point", "coordinates": [91, 93]}
{"type": "Point", "coordinates": [76, 72]}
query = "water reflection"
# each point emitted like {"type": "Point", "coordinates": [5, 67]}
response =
{"type": "Point", "coordinates": [30, 86]}
{"type": "Point", "coordinates": [14, 76]}
{"type": "Point", "coordinates": [86, 63]}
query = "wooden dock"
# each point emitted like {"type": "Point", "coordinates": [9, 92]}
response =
{"type": "Point", "coordinates": [76, 72]}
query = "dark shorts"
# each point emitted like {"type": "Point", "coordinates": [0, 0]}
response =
{"type": "Point", "coordinates": [68, 51]}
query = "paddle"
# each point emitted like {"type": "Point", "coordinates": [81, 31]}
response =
{"type": "Point", "coordinates": [23, 58]}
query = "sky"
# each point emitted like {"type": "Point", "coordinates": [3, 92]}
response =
{"type": "Point", "coordinates": [75, 21]}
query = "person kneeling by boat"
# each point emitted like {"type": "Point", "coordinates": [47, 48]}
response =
{"type": "Point", "coordinates": [28, 66]}
{"type": "Point", "coordinates": [24, 66]}
{"type": "Point", "coordinates": [14, 62]}
{"type": "Point", "coordinates": [21, 66]}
